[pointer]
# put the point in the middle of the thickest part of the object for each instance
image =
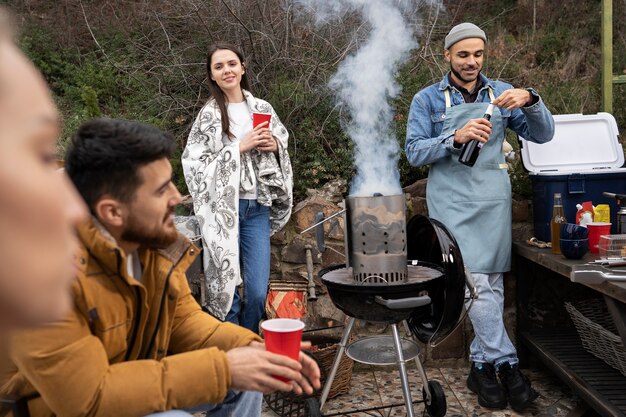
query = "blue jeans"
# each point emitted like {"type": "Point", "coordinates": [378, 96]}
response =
{"type": "Point", "coordinates": [491, 342]}
{"type": "Point", "coordinates": [245, 403]}
{"type": "Point", "coordinates": [254, 259]}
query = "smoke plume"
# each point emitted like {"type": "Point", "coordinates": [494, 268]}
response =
{"type": "Point", "coordinates": [364, 84]}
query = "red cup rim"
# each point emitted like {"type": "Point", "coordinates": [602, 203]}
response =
{"type": "Point", "coordinates": [282, 325]}
{"type": "Point", "coordinates": [599, 224]}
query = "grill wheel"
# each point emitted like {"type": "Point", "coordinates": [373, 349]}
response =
{"type": "Point", "coordinates": [438, 404]}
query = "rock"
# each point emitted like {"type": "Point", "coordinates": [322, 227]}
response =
{"type": "Point", "coordinates": [295, 276]}
{"type": "Point", "coordinates": [275, 263]}
{"type": "Point", "coordinates": [295, 252]}
{"type": "Point", "coordinates": [330, 257]}
{"type": "Point", "coordinates": [323, 307]}
{"type": "Point", "coordinates": [419, 206]}
{"type": "Point", "coordinates": [280, 237]}
{"type": "Point", "coordinates": [520, 209]}
{"type": "Point", "coordinates": [332, 191]}
{"type": "Point", "coordinates": [417, 189]}
{"type": "Point", "coordinates": [304, 217]}
{"type": "Point", "coordinates": [416, 193]}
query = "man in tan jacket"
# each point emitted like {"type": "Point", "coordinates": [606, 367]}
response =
{"type": "Point", "coordinates": [136, 342]}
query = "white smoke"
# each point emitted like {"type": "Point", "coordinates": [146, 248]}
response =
{"type": "Point", "coordinates": [365, 84]}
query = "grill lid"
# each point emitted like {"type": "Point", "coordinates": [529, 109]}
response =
{"type": "Point", "coordinates": [428, 240]}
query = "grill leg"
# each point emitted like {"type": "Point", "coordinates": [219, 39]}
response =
{"type": "Point", "coordinates": [406, 392]}
{"type": "Point", "coordinates": [420, 367]}
{"type": "Point", "coordinates": [338, 357]}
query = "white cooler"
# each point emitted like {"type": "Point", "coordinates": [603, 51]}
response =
{"type": "Point", "coordinates": [583, 160]}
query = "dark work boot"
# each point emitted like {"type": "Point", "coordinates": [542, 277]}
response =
{"type": "Point", "coordinates": [517, 387]}
{"type": "Point", "coordinates": [482, 381]}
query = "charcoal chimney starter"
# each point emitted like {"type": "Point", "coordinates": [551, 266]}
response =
{"type": "Point", "coordinates": [376, 238]}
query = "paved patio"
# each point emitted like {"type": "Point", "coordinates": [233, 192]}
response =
{"type": "Point", "coordinates": [377, 386]}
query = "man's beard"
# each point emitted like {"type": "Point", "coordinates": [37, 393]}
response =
{"type": "Point", "coordinates": [156, 239]}
{"type": "Point", "coordinates": [460, 77]}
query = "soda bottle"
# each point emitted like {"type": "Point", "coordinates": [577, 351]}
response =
{"type": "Point", "coordinates": [558, 219]}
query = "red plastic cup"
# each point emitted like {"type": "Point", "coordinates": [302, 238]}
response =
{"type": "Point", "coordinates": [283, 336]}
{"type": "Point", "coordinates": [258, 118]}
{"type": "Point", "coordinates": [597, 229]}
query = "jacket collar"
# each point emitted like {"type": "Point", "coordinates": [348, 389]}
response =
{"type": "Point", "coordinates": [99, 243]}
{"type": "Point", "coordinates": [444, 84]}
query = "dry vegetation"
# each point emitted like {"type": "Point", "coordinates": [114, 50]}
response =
{"type": "Point", "coordinates": [145, 60]}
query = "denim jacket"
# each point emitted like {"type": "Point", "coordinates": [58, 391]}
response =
{"type": "Point", "coordinates": [424, 136]}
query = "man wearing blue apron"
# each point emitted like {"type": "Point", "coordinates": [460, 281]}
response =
{"type": "Point", "coordinates": [475, 202]}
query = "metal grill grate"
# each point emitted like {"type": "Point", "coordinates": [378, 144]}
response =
{"type": "Point", "coordinates": [381, 277]}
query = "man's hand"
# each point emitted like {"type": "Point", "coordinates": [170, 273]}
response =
{"type": "Point", "coordinates": [252, 369]}
{"type": "Point", "coordinates": [310, 370]}
{"type": "Point", "coordinates": [514, 99]}
{"type": "Point", "coordinates": [475, 129]}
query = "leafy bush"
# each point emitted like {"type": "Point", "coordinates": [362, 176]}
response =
{"type": "Point", "coordinates": [148, 65]}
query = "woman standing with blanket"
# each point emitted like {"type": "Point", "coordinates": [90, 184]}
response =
{"type": "Point", "coordinates": [240, 179]}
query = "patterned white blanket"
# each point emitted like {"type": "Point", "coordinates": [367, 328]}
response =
{"type": "Point", "coordinates": [214, 173]}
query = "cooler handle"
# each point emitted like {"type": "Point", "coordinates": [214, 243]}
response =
{"type": "Point", "coordinates": [576, 184]}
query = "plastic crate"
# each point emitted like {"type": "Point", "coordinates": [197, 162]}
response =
{"type": "Point", "coordinates": [597, 332]}
{"type": "Point", "coordinates": [612, 246]}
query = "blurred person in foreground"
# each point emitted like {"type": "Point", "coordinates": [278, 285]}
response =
{"type": "Point", "coordinates": [475, 202]}
{"type": "Point", "coordinates": [136, 341]}
{"type": "Point", "coordinates": [39, 208]}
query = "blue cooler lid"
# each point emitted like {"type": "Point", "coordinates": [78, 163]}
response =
{"type": "Point", "coordinates": [586, 143]}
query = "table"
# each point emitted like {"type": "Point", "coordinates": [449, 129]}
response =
{"type": "Point", "coordinates": [554, 341]}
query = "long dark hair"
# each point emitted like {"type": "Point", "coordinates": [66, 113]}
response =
{"type": "Point", "coordinates": [215, 90]}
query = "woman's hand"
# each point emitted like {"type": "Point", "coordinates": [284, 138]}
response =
{"type": "Point", "coordinates": [255, 138]}
{"type": "Point", "coordinates": [269, 145]}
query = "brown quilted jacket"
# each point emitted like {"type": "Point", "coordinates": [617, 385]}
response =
{"type": "Point", "coordinates": [128, 348]}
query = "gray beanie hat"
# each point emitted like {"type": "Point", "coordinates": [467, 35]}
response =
{"type": "Point", "coordinates": [463, 31]}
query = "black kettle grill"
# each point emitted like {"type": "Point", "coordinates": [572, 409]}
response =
{"type": "Point", "coordinates": [396, 272]}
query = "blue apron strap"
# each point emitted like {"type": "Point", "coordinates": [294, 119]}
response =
{"type": "Point", "coordinates": [446, 93]}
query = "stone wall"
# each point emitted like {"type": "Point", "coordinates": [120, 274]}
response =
{"type": "Point", "coordinates": [289, 258]}
{"type": "Point", "coordinates": [289, 253]}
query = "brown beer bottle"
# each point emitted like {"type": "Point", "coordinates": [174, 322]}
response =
{"type": "Point", "coordinates": [558, 219]}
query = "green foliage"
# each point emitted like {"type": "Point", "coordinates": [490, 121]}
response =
{"type": "Point", "coordinates": [520, 181]}
{"type": "Point", "coordinates": [551, 44]}
{"type": "Point", "coordinates": [319, 149]}
{"type": "Point", "coordinates": [411, 79]}
{"type": "Point", "coordinates": [90, 85]}
{"type": "Point", "coordinates": [89, 98]}
{"type": "Point", "coordinates": [152, 71]}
